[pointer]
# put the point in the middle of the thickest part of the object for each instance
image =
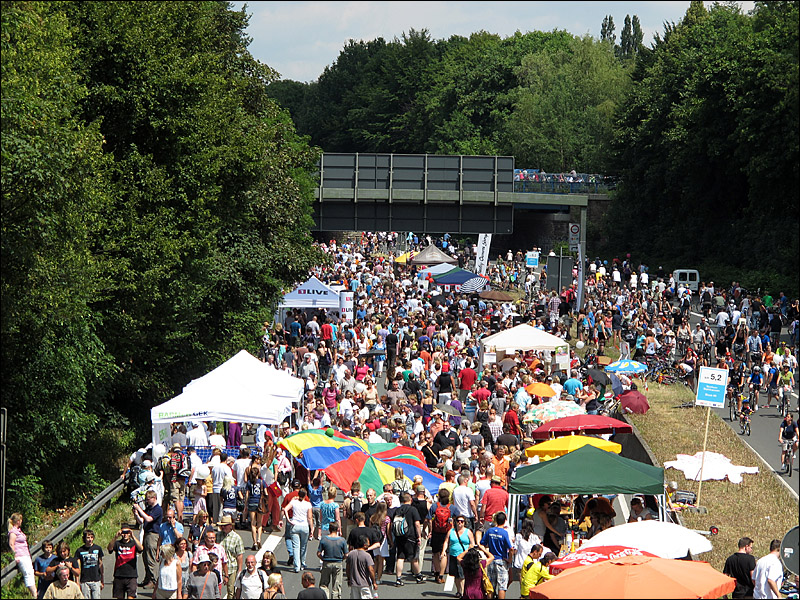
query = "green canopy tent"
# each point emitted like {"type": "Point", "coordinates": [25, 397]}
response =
{"type": "Point", "coordinates": [589, 470]}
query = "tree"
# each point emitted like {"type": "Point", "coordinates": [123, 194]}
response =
{"type": "Point", "coordinates": [607, 30]}
{"type": "Point", "coordinates": [565, 105]}
{"type": "Point", "coordinates": [54, 196]}
{"type": "Point", "coordinates": [711, 118]}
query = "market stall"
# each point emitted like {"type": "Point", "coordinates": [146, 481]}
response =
{"type": "Point", "coordinates": [242, 389]}
{"type": "Point", "coordinates": [522, 337]}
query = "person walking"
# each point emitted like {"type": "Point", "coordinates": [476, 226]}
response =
{"type": "Point", "coordinates": [18, 542]}
{"type": "Point", "coordinates": [360, 571]}
{"type": "Point", "coordinates": [170, 575]}
{"type": "Point", "coordinates": [740, 565]}
{"type": "Point", "coordinates": [301, 521]}
{"type": "Point", "coordinates": [251, 582]}
{"type": "Point", "coordinates": [126, 548]}
{"type": "Point", "coordinates": [150, 520]}
{"type": "Point", "coordinates": [332, 551]}
{"type": "Point", "coordinates": [768, 574]}
{"type": "Point", "coordinates": [405, 533]}
{"type": "Point", "coordinates": [89, 559]}
{"type": "Point", "coordinates": [233, 545]}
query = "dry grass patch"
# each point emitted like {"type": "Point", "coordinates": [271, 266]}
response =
{"type": "Point", "coordinates": [760, 507]}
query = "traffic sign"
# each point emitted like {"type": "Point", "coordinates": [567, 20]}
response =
{"type": "Point", "coordinates": [532, 259]}
{"type": "Point", "coordinates": [574, 234]}
{"type": "Point", "coordinates": [711, 386]}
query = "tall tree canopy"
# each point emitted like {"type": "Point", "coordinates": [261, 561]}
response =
{"type": "Point", "coordinates": [707, 147]}
{"type": "Point", "coordinates": [156, 202]}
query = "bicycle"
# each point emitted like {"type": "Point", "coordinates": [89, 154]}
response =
{"type": "Point", "coordinates": [753, 397]}
{"type": "Point", "coordinates": [788, 456]}
{"type": "Point", "coordinates": [732, 408]}
{"type": "Point", "coordinates": [744, 420]}
{"type": "Point", "coordinates": [783, 399]}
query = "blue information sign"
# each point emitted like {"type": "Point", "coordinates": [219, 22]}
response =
{"type": "Point", "coordinates": [711, 386]}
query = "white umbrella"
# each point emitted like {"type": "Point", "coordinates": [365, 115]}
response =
{"type": "Point", "coordinates": [666, 540]}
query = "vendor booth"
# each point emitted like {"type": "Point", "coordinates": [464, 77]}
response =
{"type": "Point", "coordinates": [431, 256]}
{"type": "Point", "coordinates": [589, 470]}
{"type": "Point", "coordinates": [313, 294]}
{"type": "Point", "coordinates": [242, 389]}
{"type": "Point", "coordinates": [522, 337]}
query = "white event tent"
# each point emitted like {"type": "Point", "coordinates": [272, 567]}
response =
{"type": "Point", "coordinates": [522, 337]}
{"type": "Point", "coordinates": [242, 389]}
{"type": "Point", "coordinates": [311, 294]}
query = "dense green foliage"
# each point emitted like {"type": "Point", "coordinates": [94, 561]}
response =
{"type": "Point", "coordinates": [156, 202]}
{"type": "Point", "coordinates": [478, 95]}
{"type": "Point", "coordinates": [707, 148]}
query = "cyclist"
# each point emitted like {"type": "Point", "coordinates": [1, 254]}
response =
{"type": "Point", "coordinates": [755, 380]}
{"type": "Point", "coordinates": [745, 412]}
{"type": "Point", "coordinates": [754, 348]}
{"type": "Point", "coordinates": [735, 382]}
{"type": "Point", "coordinates": [787, 436]}
{"type": "Point", "coordinates": [771, 377]}
{"type": "Point", "coordinates": [785, 384]}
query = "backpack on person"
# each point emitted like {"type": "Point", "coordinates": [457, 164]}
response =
{"type": "Point", "coordinates": [442, 519]}
{"type": "Point", "coordinates": [400, 525]}
{"type": "Point", "coordinates": [164, 465]}
{"type": "Point", "coordinates": [354, 506]}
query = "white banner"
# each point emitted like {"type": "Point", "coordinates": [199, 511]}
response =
{"type": "Point", "coordinates": [346, 306]}
{"type": "Point", "coordinates": [482, 258]}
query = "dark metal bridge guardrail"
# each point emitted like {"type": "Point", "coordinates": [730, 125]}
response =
{"type": "Point", "coordinates": [79, 519]}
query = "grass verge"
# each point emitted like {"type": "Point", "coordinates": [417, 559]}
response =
{"type": "Point", "coordinates": [759, 507]}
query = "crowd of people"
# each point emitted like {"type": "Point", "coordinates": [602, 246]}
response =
{"type": "Point", "coordinates": [408, 370]}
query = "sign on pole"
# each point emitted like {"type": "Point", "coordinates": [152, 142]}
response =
{"type": "Point", "coordinates": [482, 258]}
{"type": "Point", "coordinates": [711, 386]}
{"type": "Point", "coordinates": [532, 259]}
{"type": "Point", "coordinates": [574, 236]}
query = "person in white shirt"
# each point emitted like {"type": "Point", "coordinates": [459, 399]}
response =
{"type": "Point", "coordinates": [197, 436]}
{"type": "Point", "coordinates": [217, 440]}
{"type": "Point", "coordinates": [768, 574]}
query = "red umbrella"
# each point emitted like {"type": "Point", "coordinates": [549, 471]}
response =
{"type": "Point", "coordinates": [634, 402]}
{"type": "Point", "coordinates": [588, 556]}
{"type": "Point", "coordinates": [583, 423]}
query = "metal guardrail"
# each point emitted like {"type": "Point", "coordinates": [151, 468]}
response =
{"type": "Point", "coordinates": [79, 519]}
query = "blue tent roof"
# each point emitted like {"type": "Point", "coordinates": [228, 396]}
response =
{"type": "Point", "coordinates": [454, 277]}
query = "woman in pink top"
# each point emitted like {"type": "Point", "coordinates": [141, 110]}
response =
{"type": "Point", "coordinates": [18, 542]}
{"type": "Point", "coordinates": [362, 370]}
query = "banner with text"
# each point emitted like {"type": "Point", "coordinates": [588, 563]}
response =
{"type": "Point", "coordinates": [482, 258]}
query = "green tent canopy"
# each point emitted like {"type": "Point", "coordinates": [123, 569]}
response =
{"type": "Point", "coordinates": [589, 470]}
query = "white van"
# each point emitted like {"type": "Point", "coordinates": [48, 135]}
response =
{"type": "Point", "coordinates": [688, 278]}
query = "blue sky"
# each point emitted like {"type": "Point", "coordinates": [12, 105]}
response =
{"type": "Point", "coordinates": [299, 39]}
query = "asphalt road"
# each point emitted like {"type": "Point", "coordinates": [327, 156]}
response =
{"type": "Point", "coordinates": [292, 585]}
{"type": "Point", "coordinates": [763, 439]}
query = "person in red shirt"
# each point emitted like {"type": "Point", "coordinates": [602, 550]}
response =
{"type": "Point", "coordinates": [494, 500]}
{"type": "Point", "coordinates": [512, 419]}
{"type": "Point", "coordinates": [467, 378]}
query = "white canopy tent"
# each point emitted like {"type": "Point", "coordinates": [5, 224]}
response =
{"type": "Point", "coordinates": [522, 337]}
{"type": "Point", "coordinates": [242, 389]}
{"type": "Point", "coordinates": [311, 294]}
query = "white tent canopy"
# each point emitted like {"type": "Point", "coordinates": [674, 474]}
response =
{"type": "Point", "coordinates": [242, 389]}
{"type": "Point", "coordinates": [522, 337]}
{"type": "Point", "coordinates": [311, 294]}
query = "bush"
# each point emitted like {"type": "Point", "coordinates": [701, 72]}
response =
{"type": "Point", "coordinates": [24, 496]}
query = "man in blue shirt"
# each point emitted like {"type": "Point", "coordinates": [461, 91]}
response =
{"type": "Point", "coordinates": [332, 551]}
{"type": "Point", "coordinates": [572, 385]}
{"type": "Point", "coordinates": [498, 542]}
{"type": "Point", "coordinates": [170, 529]}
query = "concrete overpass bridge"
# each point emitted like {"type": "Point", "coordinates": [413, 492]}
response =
{"type": "Point", "coordinates": [436, 194]}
